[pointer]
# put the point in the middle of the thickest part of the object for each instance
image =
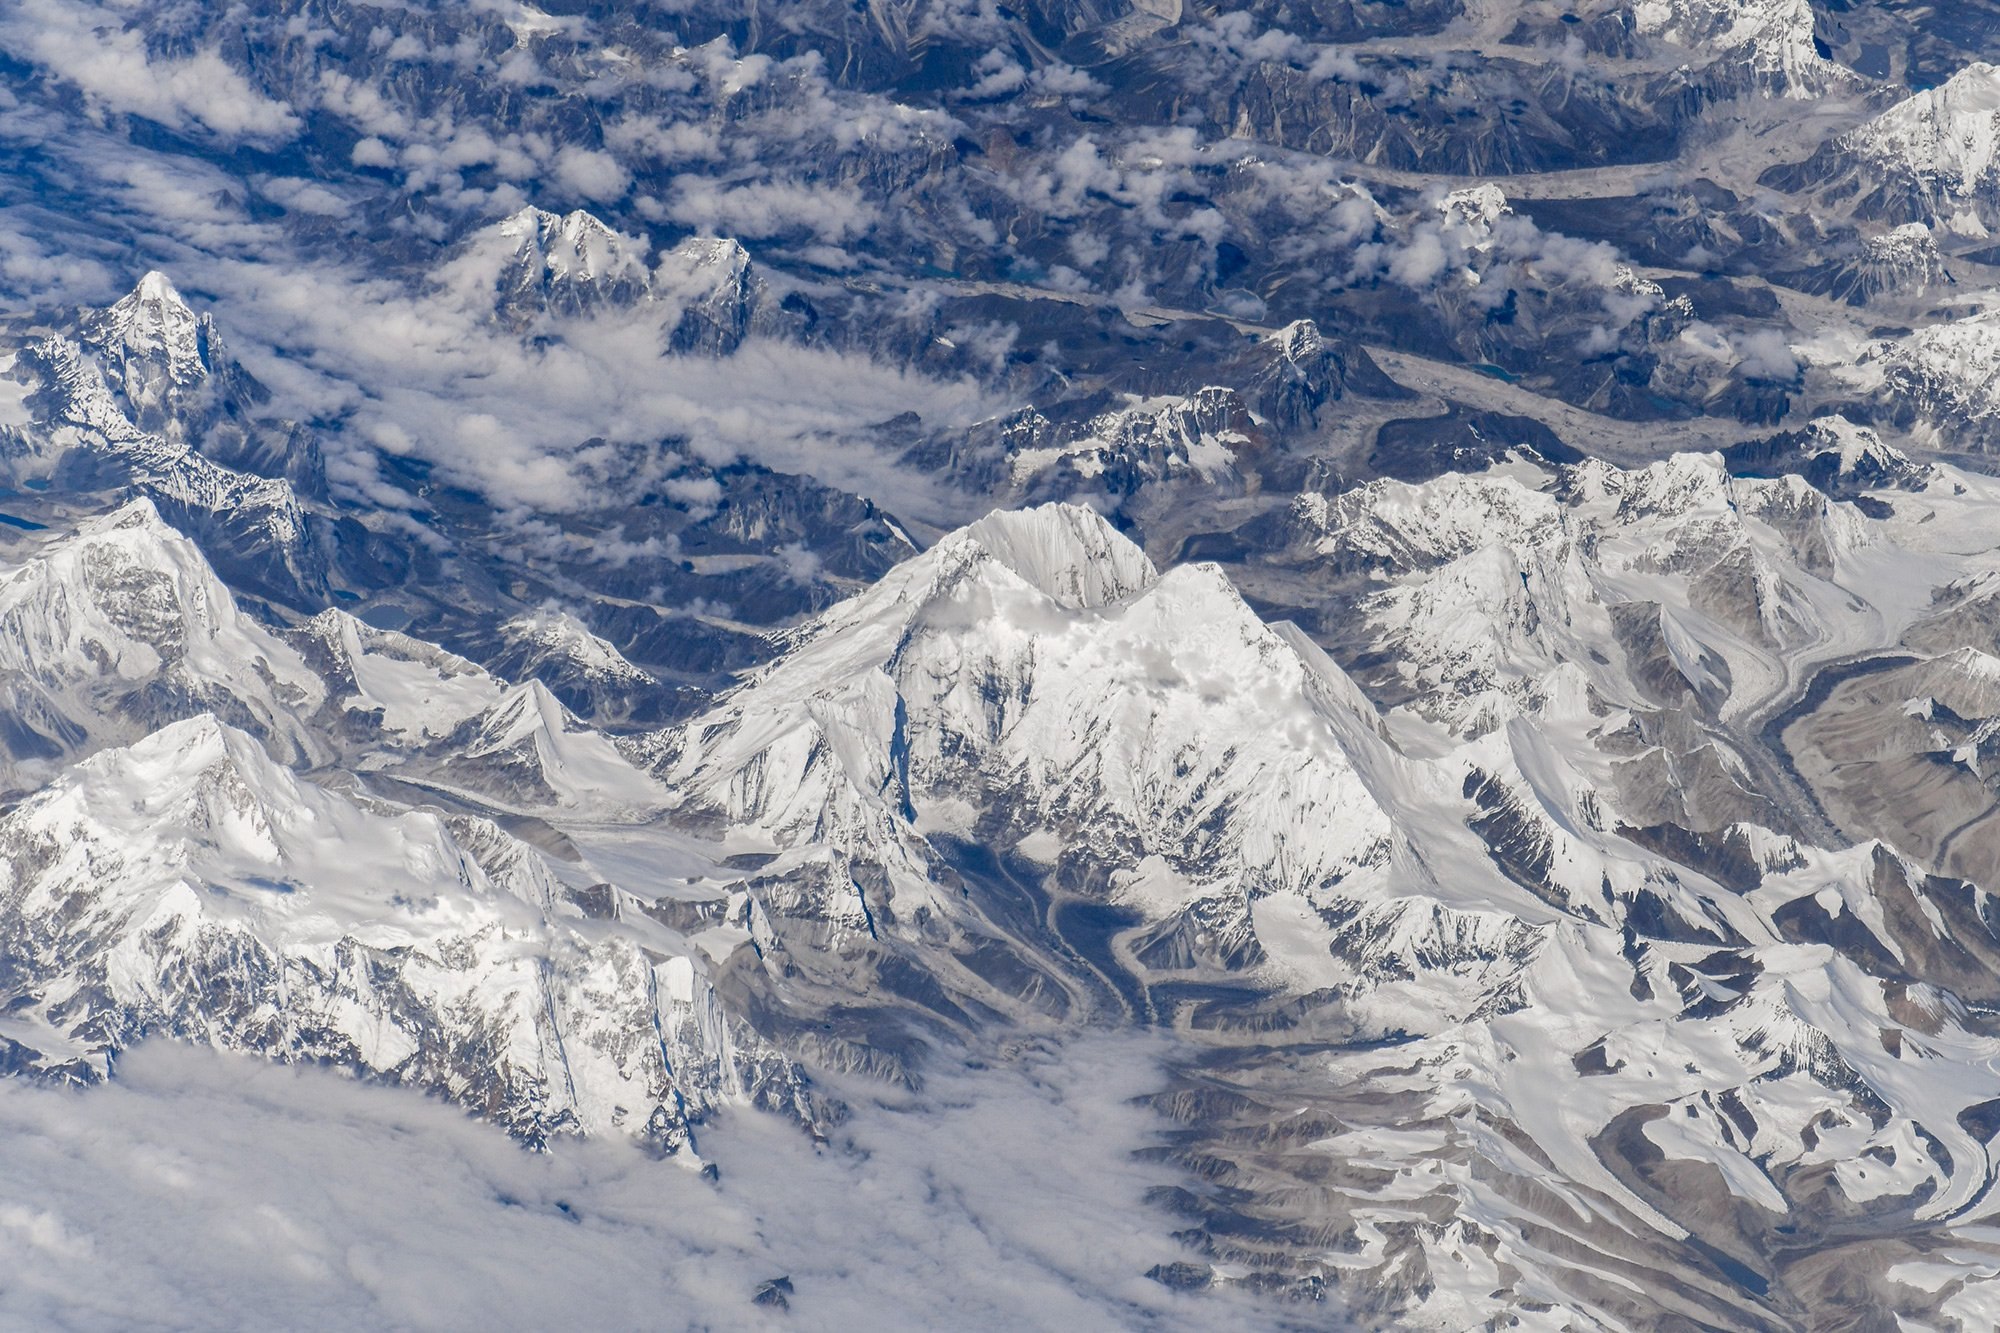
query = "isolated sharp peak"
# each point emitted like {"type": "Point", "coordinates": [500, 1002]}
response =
{"type": "Point", "coordinates": [528, 706]}
{"type": "Point", "coordinates": [713, 251]}
{"type": "Point", "coordinates": [1069, 552]}
{"type": "Point", "coordinates": [152, 318]}
{"type": "Point", "coordinates": [193, 742]}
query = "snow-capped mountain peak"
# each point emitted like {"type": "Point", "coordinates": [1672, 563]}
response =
{"type": "Point", "coordinates": [572, 247]}
{"type": "Point", "coordinates": [705, 291]}
{"type": "Point", "coordinates": [155, 353]}
{"type": "Point", "coordinates": [552, 634]}
{"type": "Point", "coordinates": [1859, 455]}
{"type": "Point", "coordinates": [109, 631]}
{"type": "Point", "coordinates": [1298, 341]}
{"type": "Point", "coordinates": [154, 319]}
{"type": "Point", "coordinates": [713, 260]}
{"type": "Point", "coordinates": [1469, 215]}
{"type": "Point", "coordinates": [568, 265]}
{"type": "Point", "coordinates": [1070, 553]}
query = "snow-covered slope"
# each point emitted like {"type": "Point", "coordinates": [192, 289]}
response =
{"type": "Point", "coordinates": [567, 265]}
{"type": "Point", "coordinates": [1496, 594]}
{"type": "Point", "coordinates": [1497, 709]}
{"type": "Point", "coordinates": [142, 399]}
{"type": "Point", "coordinates": [1766, 44]}
{"type": "Point", "coordinates": [1606, 996]}
{"type": "Point", "coordinates": [1902, 264]}
{"type": "Point", "coordinates": [1930, 158]}
{"type": "Point", "coordinates": [1197, 437]}
{"type": "Point", "coordinates": [156, 346]}
{"type": "Point", "coordinates": [1031, 678]}
{"type": "Point", "coordinates": [1028, 778]}
{"type": "Point", "coordinates": [1949, 135]}
{"type": "Point", "coordinates": [555, 639]}
{"type": "Point", "coordinates": [1938, 381]}
{"type": "Point", "coordinates": [188, 886]}
{"type": "Point", "coordinates": [110, 632]}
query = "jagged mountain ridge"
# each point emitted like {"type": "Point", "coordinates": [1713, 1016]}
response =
{"type": "Point", "coordinates": [1554, 896]}
{"type": "Point", "coordinates": [188, 887]}
{"type": "Point", "coordinates": [1477, 869]}
{"type": "Point", "coordinates": [117, 649]}
{"type": "Point", "coordinates": [761, 546]}
{"type": "Point", "coordinates": [1437, 899]}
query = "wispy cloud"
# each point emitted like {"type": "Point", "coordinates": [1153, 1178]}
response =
{"type": "Point", "coordinates": [550, 424]}
{"type": "Point", "coordinates": [417, 366]}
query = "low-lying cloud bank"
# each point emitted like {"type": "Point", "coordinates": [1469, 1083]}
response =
{"type": "Point", "coordinates": [208, 1191]}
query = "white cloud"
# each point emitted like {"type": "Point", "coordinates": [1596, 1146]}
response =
{"type": "Point", "coordinates": [1765, 354]}
{"type": "Point", "coordinates": [999, 73]}
{"type": "Point", "coordinates": [372, 152]}
{"type": "Point", "coordinates": [699, 494]}
{"type": "Point", "coordinates": [590, 174]}
{"type": "Point", "coordinates": [769, 208]}
{"type": "Point", "coordinates": [93, 49]}
{"type": "Point", "coordinates": [432, 375]}
{"type": "Point", "coordinates": [1060, 80]}
{"type": "Point", "coordinates": [212, 1191]}
{"type": "Point", "coordinates": [303, 196]}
